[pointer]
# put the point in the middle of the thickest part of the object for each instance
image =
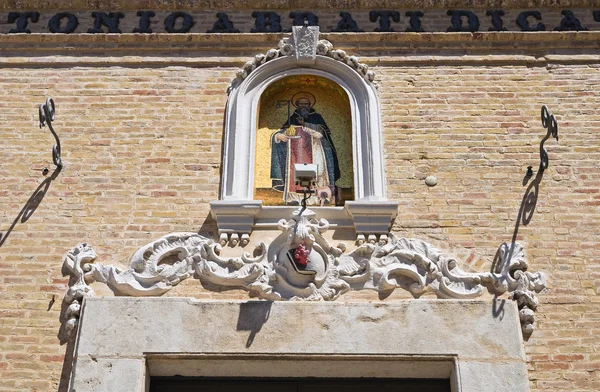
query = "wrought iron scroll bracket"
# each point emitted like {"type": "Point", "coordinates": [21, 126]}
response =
{"type": "Point", "coordinates": [549, 122]}
{"type": "Point", "coordinates": [47, 115]}
{"type": "Point", "coordinates": [509, 256]}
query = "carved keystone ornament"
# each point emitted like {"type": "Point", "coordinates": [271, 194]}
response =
{"type": "Point", "coordinates": [300, 264]}
{"type": "Point", "coordinates": [304, 44]}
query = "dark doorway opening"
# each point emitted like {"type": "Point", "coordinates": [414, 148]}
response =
{"type": "Point", "coordinates": [205, 384]}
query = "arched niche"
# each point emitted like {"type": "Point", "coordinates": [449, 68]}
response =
{"type": "Point", "coordinates": [236, 212]}
{"type": "Point", "coordinates": [282, 141]}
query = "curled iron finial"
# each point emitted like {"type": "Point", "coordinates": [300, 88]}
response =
{"type": "Point", "coordinates": [47, 114]}
{"type": "Point", "coordinates": [549, 122]}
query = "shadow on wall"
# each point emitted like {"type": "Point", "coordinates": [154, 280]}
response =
{"type": "Point", "coordinates": [47, 114]}
{"type": "Point", "coordinates": [527, 207]}
{"type": "Point", "coordinates": [65, 374]}
{"type": "Point", "coordinates": [253, 315]}
{"type": "Point", "coordinates": [209, 227]}
{"type": "Point", "coordinates": [32, 204]}
{"type": "Point", "coordinates": [26, 212]}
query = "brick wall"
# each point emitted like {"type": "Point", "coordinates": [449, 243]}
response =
{"type": "Point", "coordinates": [477, 129]}
{"type": "Point", "coordinates": [142, 147]}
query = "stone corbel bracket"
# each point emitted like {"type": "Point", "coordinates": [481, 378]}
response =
{"type": "Point", "coordinates": [271, 272]}
{"type": "Point", "coordinates": [372, 220]}
{"type": "Point", "coordinates": [305, 45]}
{"type": "Point", "coordinates": [235, 220]}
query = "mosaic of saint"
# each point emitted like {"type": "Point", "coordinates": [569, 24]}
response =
{"type": "Point", "coordinates": [304, 119]}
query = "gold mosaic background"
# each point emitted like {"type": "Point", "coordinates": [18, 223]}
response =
{"type": "Point", "coordinates": [331, 102]}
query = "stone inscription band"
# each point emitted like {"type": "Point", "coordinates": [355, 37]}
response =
{"type": "Point", "coordinates": [178, 22]}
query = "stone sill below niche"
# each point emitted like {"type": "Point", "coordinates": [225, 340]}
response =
{"type": "Point", "coordinates": [236, 219]}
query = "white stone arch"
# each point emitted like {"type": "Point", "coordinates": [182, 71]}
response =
{"type": "Point", "coordinates": [242, 117]}
{"type": "Point", "coordinates": [236, 212]}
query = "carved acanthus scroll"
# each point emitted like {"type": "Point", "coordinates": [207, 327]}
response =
{"type": "Point", "coordinates": [300, 264]}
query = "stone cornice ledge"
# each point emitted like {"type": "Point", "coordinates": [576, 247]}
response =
{"type": "Point", "coordinates": [268, 39]}
{"type": "Point", "coordinates": [198, 50]}
{"type": "Point", "coordinates": [236, 219]}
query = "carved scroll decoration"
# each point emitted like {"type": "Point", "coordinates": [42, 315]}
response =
{"type": "Point", "coordinates": [272, 273]}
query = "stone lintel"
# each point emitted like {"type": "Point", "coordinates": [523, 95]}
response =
{"type": "Point", "coordinates": [110, 327]}
{"type": "Point", "coordinates": [462, 340]}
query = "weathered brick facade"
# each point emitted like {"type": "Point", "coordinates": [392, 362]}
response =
{"type": "Point", "coordinates": [140, 118]}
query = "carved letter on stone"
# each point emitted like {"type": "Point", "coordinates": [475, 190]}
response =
{"type": "Point", "coordinates": [22, 20]}
{"type": "Point", "coordinates": [110, 20]}
{"type": "Point", "coordinates": [524, 24]}
{"type": "Point", "coordinates": [144, 26]}
{"type": "Point", "coordinates": [456, 21]}
{"type": "Point", "coordinates": [266, 22]}
{"type": "Point", "coordinates": [497, 22]}
{"type": "Point", "coordinates": [346, 24]}
{"type": "Point", "coordinates": [415, 21]}
{"type": "Point", "coordinates": [304, 19]}
{"type": "Point", "coordinates": [171, 21]}
{"type": "Point", "coordinates": [570, 23]}
{"type": "Point", "coordinates": [54, 24]}
{"type": "Point", "coordinates": [223, 25]}
{"type": "Point", "coordinates": [384, 20]}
